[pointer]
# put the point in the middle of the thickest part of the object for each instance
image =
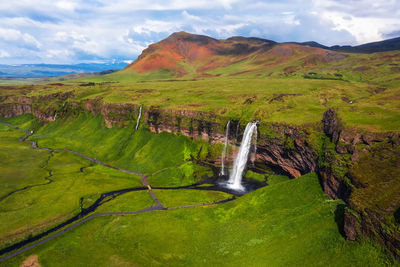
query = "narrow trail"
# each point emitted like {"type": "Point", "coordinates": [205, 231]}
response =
{"type": "Point", "coordinates": [67, 225]}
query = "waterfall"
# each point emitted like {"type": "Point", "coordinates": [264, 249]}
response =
{"type": "Point", "coordinates": [225, 148]}
{"type": "Point", "coordinates": [253, 158]}
{"type": "Point", "coordinates": [235, 179]}
{"type": "Point", "coordinates": [138, 118]}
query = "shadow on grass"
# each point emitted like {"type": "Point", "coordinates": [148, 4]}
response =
{"type": "Point", "coordinates": [397, 215]}
{"type": "Point", "coordinates": [339, 218]}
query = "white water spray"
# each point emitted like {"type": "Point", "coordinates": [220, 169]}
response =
{"type": "Point", "coordinates": [225, 148]}
{"type": "Point", "coordinates": [253, 158]}
{"type": "Point", "coordinates": [235, 179]}
{"type": "Point", "coordinates": [138, 119]}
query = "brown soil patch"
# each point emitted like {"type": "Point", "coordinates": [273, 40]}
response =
{"type": "Point", "coordinates": [290, 69]}
{"type": "Point", "coordinates": [250, 100]}
{"type": "Point", "coordinates": [194, 105]}
{"type": "Point", "coordinates": [145, 91]}
{"type": "Point", "coordinates": [31, 261]}
{"type": "Point", "coordinates": [362, 68]}
{"type": "Point", "coordinates": [279, 97]}
{"type": "Point", "coordinates": [345, 99]}
{"type": "Point", "coordinates": [205, 75]}
{"type": "Point", "coordinates": [395, 69]}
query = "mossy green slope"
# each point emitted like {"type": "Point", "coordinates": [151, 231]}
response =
{"type": "Point", "coordinates": [140, 150]}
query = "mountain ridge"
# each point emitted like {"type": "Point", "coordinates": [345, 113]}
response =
{"type": "Point", "coordinates": [196, 56]}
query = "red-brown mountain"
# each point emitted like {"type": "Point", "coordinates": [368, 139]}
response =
{"type": "Point", "coordinates": [190, 55]}
{"type": "Point", "coordinates": [183, 53]}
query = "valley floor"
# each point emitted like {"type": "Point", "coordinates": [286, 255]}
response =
{"type": "Point", "coordinates": [287, 223]}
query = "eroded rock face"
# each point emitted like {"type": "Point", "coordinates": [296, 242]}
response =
{"type": "Point", "coordinates": [331, 125]}
{"type": "Point", "coordinates": [350, 224]}
{"type": "Point", "coordinates": [14, 109]}
{"type": "Point", "coordinates": [295, 161]}
{"type": "Point", "coordinates": [373, 185]}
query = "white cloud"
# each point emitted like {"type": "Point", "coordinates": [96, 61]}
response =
{"type": "Point", "coordinates": [4, 54]}
{"type": "Point", "coordinates": [366, 20]}
{"type": "Point", "coordinates": [66, 5]}
{"type": "Point", "coordinates": [80, 30]}
{"type": "Point", "coordinates": [190, 17]}
{"type": "Point", "coordinates": [15, 36]}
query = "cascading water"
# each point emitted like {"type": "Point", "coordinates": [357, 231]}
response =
{"type": "Point", "coordinates": [253, 158]}
{"type": "Point", "coordinates": [138, 119]}
{"type": "Point", "coordinates": [235, 179]}
{"type": "Point", "coordinates": [225, 148]}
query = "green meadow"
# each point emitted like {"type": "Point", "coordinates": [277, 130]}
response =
{"type": "Point", "coordinates": [294, 100]}
{"type": "Point", "coordinates": [287, 223]}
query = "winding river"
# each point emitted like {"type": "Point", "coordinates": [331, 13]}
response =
{"type": "Point", "coordinates": [84, 216]}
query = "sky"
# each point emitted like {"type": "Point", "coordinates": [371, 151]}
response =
{"type": "Point", "coordinates": [74, 31]}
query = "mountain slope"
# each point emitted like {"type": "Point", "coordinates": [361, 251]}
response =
{"type": "Point", "coordinates": [185, 54]}
{"type": "Point", "coordinates": [382, 46]}
{"type": "Point", "coordinates": [196, 56]}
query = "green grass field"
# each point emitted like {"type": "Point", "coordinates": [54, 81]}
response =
{"type": "Point", "coordinates": [291, 223]}
{"type": "Point", "coordinates": [35, 209]}
{"type": "Point", "coordinates": [292, 100]}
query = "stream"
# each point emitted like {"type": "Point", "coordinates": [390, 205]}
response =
{"type": "Point", "coordinates": [80, 218]}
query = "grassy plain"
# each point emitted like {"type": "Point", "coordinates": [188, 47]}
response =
{"type": "Point", "coordinates": [23, 166]}
{"type": "Point", "coordinates": [35, 209]}
{"type": "Point", "coordinates": [291, 223]}
{"type": "Point", "coordinates": [288, 99]}
{"type": "Point", "coordinates": [78, 182]}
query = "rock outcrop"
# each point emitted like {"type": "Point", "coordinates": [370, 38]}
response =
{"type": "Point", "coordinates": [370, 184]}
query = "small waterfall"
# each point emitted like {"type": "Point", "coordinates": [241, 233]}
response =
{"type": "Point", "coordinates": [253, 158]}
{"type": "Point", "coordinates": [225, 148]}
{"type": "Point", "coordinates": [138, 118]}
{"type": "Point", "coordinates": [235, 179]}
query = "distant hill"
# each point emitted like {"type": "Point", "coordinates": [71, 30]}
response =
{"type": "Point", "coordinates": [55, 70]}
{"type": "Point", "coordinates": [382, 46]}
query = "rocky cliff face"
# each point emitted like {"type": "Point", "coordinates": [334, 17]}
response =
{"type": "Point", "coordinates": [296, 159]}
{"type": "Point", "coordinates": [370, 184]}
{"type": "Point", "coordinates": [345, 163]}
